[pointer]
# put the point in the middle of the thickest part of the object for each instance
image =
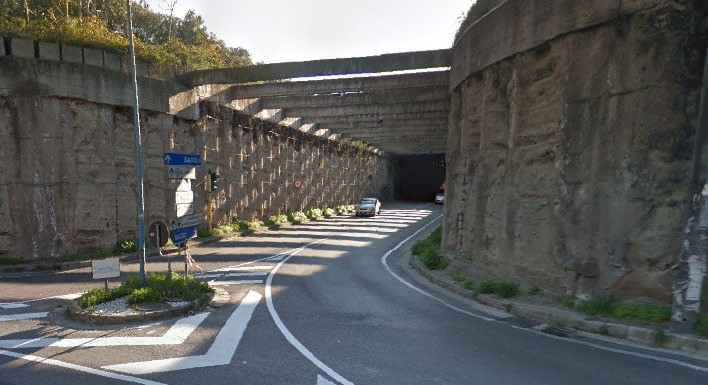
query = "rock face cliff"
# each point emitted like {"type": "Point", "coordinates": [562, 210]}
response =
{"type": "Point", "coordinates": [67, 160]}
{"type": "Point", "coordinates": [571, 135]}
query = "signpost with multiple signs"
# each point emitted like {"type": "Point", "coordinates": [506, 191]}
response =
{"type": "Point", "coordinates": [183, 166]}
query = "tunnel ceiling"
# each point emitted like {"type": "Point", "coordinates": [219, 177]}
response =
{"type": "Point", "coordinates": [362, 99]}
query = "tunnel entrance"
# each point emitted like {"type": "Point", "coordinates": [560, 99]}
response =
{"type": "Point", "coordinates": [418, 177]}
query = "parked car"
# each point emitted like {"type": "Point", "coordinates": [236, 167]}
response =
{"type": "Point", "coordinates": [368, 206]}
{"type": "Point", "coordinates": [440, 197]}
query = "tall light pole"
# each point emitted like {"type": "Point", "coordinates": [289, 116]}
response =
{"type": "Point", "coordinates": [138, 149]}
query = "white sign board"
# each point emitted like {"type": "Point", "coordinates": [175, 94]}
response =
{"type": "Point", "coordinates": [105, 268]}
{"type": "Point", "coordinates": [182, 197]}
{"type": "Point", "coordinates": [185, 221]}
{"type": "Point", "coordinates": [185, 209]}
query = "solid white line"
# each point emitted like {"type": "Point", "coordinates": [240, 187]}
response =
{"type": "Point", "coordinates": [13, 305]}
{"type": "Point", "coordinates": [15, 317]}
{"type": "Point", "coordinates": [176, 335]}
{"type": "Point", "coordinates": [245, 268]}
{"type": "Point", "coordinates": [242, 282]}
{"type": "Point", "coordinates": [589, 344]}
{"type": "Point", "coordinates": [220, 353]}
{"type": "Point", "coordinates": [49, 361]}
{"type": "Point", "coordinates": [217, 275]}
{"type": "Point", "coordinates": [284, 330]}
{"type": "Point", "coordinates": [384, 261]}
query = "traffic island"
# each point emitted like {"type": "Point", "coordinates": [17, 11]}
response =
{"type": "Point", "coordinates": [119, 311]}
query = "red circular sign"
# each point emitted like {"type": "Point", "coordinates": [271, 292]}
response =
{"type": "Point", "coordinates": [297, 183]}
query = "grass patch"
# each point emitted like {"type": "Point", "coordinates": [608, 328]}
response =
{"type": "Point", "coordinates": [276, 220]}
{"type": "Point", "coordinates": [158, 287]}
{"type": "Point", "coordinates": [702, 325]}
{"type": "Point", "coordinates": [635, 312]}
{"type": "Point", "coordinates": [126, 246]}
{"type": "Point", "coordinates": [11, 261]}
{"type": "Point", "coordinates": [535, 290]}
{"type": "Point", "coordinates": [457, 274]}
{"type": "Point", "coordinates": [428, 251]}
{"type": "Point", "coordinates": [314, 213]}
{"type": "Point", "coordinates": [328, 212]}
{"type": "Point", "coordinates": [504, 289]}
{"type": "Point", "coordinates": [468, 284]}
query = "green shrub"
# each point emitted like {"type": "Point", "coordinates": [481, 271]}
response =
{"type": "Point", "coordinates": [127, 246]}
{"type": "Point", "coordinates": [297, 216]}
{"type": "Point", "coordinates": [534, 290]}
{"type": "Point", "coordinates": [457, 274]}
{"type": "Point", "coordinates": [8, 261]}
{"type": "Point", "coordinates": [487, 286]}
{"type": "Point", "coordinates": [468, 284]}
{"type": "Point", "coordinates": [328, 212]}
{"type": "Point", "coordinates": [428, 251]}
{"type": "Point", "coordinates": [597, 306]}
{"type": "Point", "coordinates": [702, 325]}
{"type": "Point", "coordinates": [158, 287]}
{"type": "Point", "coordinates": [506, 289]}
{"type": "Point", "coordinates": [641, 312]}
{"type": "Point", "coordinates": [313, 213]}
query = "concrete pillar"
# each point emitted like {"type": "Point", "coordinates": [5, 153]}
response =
{"type": "Point", "coordinates": [93, 56]}
{"type": "Point", "coordinates": [71, 54]}
{"type": "Point", "coordinates": [22, 47]}
{"type": "Point", "coordinates": [49, 51]}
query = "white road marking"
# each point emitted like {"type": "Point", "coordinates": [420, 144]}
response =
{"type": "Point", "coordinates": [323, 381]}
{"type": "Point", "coordinates": [217, 275]}
{"type": "Point", "coordinates": [176, 335]}
{"type": "Point", "coordinates": [15, 317]}
{"type": "Point", "coordinates": [575, 341]}
{"type": "Point", "coordinates": [69, 296]}
{"type": "Point", "coordinates": [49, 361]}
{"type": "Point", "coordinates": [245, 268]}
{"type": "Point", "coordinates": [15, 305]}
{"type": "Point", "coordinates": [384, 261]}
{"type": "Point", "coordinates": [241, 282]}
{"type": "Point", "coordinates": [221, 351]}
{"type": "Point", "coordinates": [284, 330]}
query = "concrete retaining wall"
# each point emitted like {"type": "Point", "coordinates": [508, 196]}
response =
{"type": "Point", "coordinates": [570, 143]}
{"type": "Point", "coordinates": [68, 175]}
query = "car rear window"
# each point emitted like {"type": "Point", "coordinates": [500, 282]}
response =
{"type": "Point", "coordinates": [367, 201]}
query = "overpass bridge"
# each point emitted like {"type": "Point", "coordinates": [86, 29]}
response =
{"type": "Point", "coordinates": [394, 103]}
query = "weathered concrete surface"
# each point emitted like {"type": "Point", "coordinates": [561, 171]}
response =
{"type": "Point", "coordinates": [568, 153]}
{"type": "Point", "coordinates": [326, 67]}
{"type": "Point", "coordinates": [68, 177]}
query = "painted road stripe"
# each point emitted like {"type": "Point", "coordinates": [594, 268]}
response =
{"type": "Point", "coordinates": [84, 369]}
{"type": "Point", "coordinates": [245, 268]}
{"type": "Point", "coordinates": [241, 282]}
{"type": "Point", "coordinates": [15, 305]}
{"type": "Point", "coordinates": [284, 330]}
{"type": "Point", "coordinates": [221, 351]}
{"type": "Point", "coordinates": [217, 275]}
{"type": "Point", "coordinates": [15, 317]}
{"type": "Point", "coordinates": [176, 335]}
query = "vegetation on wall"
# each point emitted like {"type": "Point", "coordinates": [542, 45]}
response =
{"type": "Point", "coordinates": [174, 45]}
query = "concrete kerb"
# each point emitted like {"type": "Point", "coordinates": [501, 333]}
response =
{"type": "Point", "coordinates": [552, 316]}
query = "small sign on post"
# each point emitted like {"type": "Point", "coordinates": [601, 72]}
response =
{"type": "Point", "coordinates": [105, 268]}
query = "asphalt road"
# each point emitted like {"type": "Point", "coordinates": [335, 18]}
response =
{"type": "Point", "coordinates": [325, 302]}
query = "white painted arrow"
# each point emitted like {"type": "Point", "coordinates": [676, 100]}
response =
{"type": "Point", "coordinates": [176, 335]}
{"type": "Point", "coordinates": [221, 351]}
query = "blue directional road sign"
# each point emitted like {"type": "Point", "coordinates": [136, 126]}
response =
{"type": "Point", "coordinates": [181, 159]}
{"type": "Point", "coordinates": [181, 235]}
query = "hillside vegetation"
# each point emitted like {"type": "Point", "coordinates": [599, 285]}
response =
{"type": "Point", "coordinates": [174, 45]}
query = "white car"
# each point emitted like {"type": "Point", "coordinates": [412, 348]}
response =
{"type": "Point", "coordinates": [440, 197]}
{"type": "Point", "coordinates": [368, 206]}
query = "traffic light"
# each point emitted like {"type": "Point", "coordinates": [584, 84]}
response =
{"type": "Point", "coordinates": [214, 181]}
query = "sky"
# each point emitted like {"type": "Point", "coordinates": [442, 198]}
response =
{"type": "Point", "coordinates": [275, 31]}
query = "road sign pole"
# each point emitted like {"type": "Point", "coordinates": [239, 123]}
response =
{"type": "Point", "coordinates": [138, 149]}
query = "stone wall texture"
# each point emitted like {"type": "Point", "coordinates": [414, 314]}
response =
{"type": "Point", "coordinates": [68, 179]}
{"type": "Point", "coordinates": [570, 144]}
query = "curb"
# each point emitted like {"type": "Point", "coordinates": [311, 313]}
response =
{"type": "Point", "coordinates": [555, 316]}
{"type": "Point", "coordinates": [217, 298]}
